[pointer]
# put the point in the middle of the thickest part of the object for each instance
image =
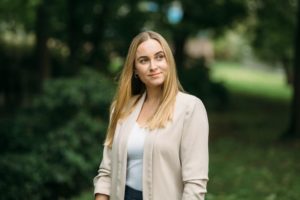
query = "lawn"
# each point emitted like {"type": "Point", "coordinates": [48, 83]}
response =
{"type": "Point", "coordinates": [247, 159]}
{"type": "Point", "coordinates": [266, 82]}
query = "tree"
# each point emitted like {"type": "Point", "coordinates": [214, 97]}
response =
{"type": "Point", "coordinates": [273, 27]}
{"type": "Point", "coordinates": [16, 17]}
{"type": "Point", "coordinates": [42, 54]}
{"type": "Point", "coordinates": [294, 127]}
{"type": "Point", "coordinates": [275, 24]}
{"type": "Point", "coordinates": [205, 15]}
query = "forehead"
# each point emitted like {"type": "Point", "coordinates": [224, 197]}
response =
{"type": "Point", "coordinates": [148, 47]}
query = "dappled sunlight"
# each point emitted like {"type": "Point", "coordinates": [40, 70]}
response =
{"type": "Point", "coordinates": [259, 82]}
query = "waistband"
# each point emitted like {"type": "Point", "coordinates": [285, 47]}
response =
{"type": "Point", "coordinates": [132, 194]}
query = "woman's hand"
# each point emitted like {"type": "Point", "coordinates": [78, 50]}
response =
{"type": "Point", "coordinates": [101, 197]}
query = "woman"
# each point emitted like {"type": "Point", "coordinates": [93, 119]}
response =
{"type": "Point", "coordinates": [156, 147]}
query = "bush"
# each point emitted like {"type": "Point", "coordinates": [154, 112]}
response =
{"type": "Point", "coordinates": [52, 149]}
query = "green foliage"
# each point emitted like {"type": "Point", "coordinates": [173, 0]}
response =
{"type": "Point", "coordinates": [52, 149]}
{"type": "Point", "coordinates": [233, 46]}
{"type": "Point", "coordinates": [70, 34]}
{"type": "Point", "coordinates": [213, 14]}
{"type": "Point", "coordinates": [274, 29]}
{"type": "Point", "coordinates": [18, 13]}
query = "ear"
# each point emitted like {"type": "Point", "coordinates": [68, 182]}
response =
{"type": "Point", "coordinates": [135, 73]}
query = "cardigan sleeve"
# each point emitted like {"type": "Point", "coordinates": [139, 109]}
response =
{"type": "Point", "coordinates": [102, 182]}
{"type": "Point", "coordinates": [194, 152]}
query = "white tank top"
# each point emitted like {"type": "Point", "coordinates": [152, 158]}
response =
{"type": "Point", "coordinates": [135, 151]}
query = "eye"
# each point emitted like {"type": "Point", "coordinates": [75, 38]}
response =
{"type": "Point", "coordinates": [160, 57]}
{"type": "Point", "coordinates": [143, 60]}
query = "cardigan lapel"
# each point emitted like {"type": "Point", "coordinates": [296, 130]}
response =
{"type": "Point", "coordinates": [129, 122]}
{"type": "Point", "coordinates": [148, 164]}
{"type": "Point", "coordinates": [122, 149]}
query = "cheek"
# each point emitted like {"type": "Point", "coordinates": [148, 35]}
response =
{"type": "Point", "coordinates": [140, 69]}
{"type": "Point", "coordinates": [142, 72]}
{"type": "Point", "coordinates": [164, 66]}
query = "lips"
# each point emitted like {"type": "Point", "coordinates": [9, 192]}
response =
{"type": "Point", "coordinates": [154, 74]}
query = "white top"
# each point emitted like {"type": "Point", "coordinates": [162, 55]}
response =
{"type": "Point", "coordinates": [135, 151]}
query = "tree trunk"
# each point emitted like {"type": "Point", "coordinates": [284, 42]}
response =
{"type": "Point", "coordinates": [73, 35]}
{"type": "Point", "coordinates": [42, 51]}
{"type": "Point", "coordinates": [294, 127]}
{"type": "Point", "coordinates": [286, 63]}
{"type": "Point", "coordinates": [179, 43]}
{"type": "Point", "coordinates": [99, 58]}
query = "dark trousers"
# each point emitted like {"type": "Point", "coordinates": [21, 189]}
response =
{"type": "Point", "coordinates": [132, 194]}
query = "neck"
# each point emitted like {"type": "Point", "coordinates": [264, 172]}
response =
{"type": "Point", "coordinates": [153, 94]}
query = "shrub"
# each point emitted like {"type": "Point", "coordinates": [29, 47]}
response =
{"type": "Point", "coordinates": [52, 149]}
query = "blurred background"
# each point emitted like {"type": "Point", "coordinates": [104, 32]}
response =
{"type": "Point", "coordinates": [59, 62]}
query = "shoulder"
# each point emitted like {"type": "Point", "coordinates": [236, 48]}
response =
{"type": "Point", "coordinates": [135, 98]}
{"type": "Point", "coordinates": [132, 102]}
{"type": "Point", "coordinates": [187, 100]}
{"type": "Point", "coordinates": [127, 106]}
{"type": "Point", "coordinates": [187, 103]}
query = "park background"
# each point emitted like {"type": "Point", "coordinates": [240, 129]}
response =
{"type": "Point", "coordinates": [59, 66]}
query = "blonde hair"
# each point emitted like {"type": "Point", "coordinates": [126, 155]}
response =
{"type": "Point", "coordinates": [130, 89]}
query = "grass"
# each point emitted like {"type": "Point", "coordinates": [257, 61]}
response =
{"type": "Point", "coordinates": [247, 159]}
{"type": "Point", "coordinates": [252, 81]}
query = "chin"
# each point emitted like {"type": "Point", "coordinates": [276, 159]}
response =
{"type": "Point", "coordinates": [156, 83]}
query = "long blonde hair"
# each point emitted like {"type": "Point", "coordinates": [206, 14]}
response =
{"type": "Point", "coordinates": [130, 89]}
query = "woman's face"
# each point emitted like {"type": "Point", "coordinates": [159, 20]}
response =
{"type": "Point", "coordinates": [150, 63]}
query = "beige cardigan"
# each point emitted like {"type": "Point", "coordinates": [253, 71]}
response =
{"type": "Point", "coordinates": [175, 158]}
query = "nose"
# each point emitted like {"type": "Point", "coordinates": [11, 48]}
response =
{"type": "Point", "coordinates": [153, 65]}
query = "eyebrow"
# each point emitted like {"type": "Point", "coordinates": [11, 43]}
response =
{"type": "Point", "coordinates": [159, 52]}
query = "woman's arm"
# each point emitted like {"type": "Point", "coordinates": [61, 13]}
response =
{"type": "Point", "coordinates": [194, 152]}
{"type": "Point", "coordinates": [102, 182]}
